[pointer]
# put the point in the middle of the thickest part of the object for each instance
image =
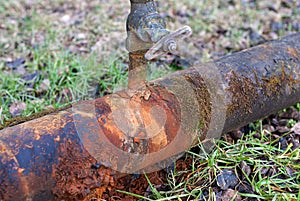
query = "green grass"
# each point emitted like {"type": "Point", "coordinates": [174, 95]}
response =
{"type": "Point", "coordinates": [71, 78]}
{"type": "Point", "coordinates": [298, 106]}
{"type": "Point", "coordinates": [74, 68]}
{"type": "Point", "coordinates": [49, 43]}
{"type": "Point", "coordinates": [258, 154]}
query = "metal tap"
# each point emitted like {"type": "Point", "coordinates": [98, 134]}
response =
{"type": "Point", "coordinates": [147, 38]}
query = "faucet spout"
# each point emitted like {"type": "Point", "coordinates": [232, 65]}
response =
{"type": "Point", "coordinates": [144, 25]}
{"type": "Point", "coordinates": [148, 38]}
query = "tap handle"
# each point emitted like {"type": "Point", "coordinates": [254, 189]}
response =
{"type": "Point", "coordinates": [168, 43]}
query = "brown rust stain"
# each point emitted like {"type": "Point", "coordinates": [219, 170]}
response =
{"type": "Point", "coordinates": [7, 159]}
{"type": "Point", "coordinates": [75, 171]}
{"type": "Point", "coordinates": [107, 123]}
{"type": "Point", "coordinates": [75, 179]}
{"type": "Point", "coordinates": [244, 92]}
{"type": "Point", "coordinates": [274, 85]}
{"type": "Point", "coordinates": [204, 101]}
{"type": "Point", "coordinates": [78, 174]}
{"type": "Point", "coordinates": [138, 69]}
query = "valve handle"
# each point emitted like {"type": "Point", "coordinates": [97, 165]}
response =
{"type": "Point", "coordinates": [168, 43]}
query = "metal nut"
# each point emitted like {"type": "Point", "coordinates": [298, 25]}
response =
{"type": "Point", "coordinates": [170, 45]}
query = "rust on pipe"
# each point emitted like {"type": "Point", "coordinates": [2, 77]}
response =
{"type": "Point", "coordinates": [68, 154]}
{"type": "Point", "coordinates": [138, 68]}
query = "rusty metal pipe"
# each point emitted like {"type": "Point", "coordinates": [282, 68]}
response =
{"type": "Point", "coordinates": [73, 152]}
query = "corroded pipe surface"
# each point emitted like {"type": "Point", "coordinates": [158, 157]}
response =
{"type": "Point", "coordinates": [74, 152]}
{"type": "Point", "coordinates": [138, 68]}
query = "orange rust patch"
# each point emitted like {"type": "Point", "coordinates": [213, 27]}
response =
{"type": "Point", "coordinates": [171, 127]}
{"type": "Point", "coordinates": [76, 176]}
{"type": "Point", "coordinates": [106, 122]}
{"type": "Point", "coordinates": [149, 130]}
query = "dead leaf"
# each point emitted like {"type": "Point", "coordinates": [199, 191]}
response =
{"type": "Point", "coordinates": [45, 84]}
{"type": "Point", "coordinates": [296, 128]}
{"type": "Point", "coordinates": [31, 77]}
{"type": "Point", "coordinates": [230, 194]}
{"type": "Point", "coordinates": [227, 179]}
{"type": "Point", "coordinates": [16, 63]}
{"type": "Point", "coordinates": [16, 109]}
{"type": "Point", "coordinates": [245, 168]}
